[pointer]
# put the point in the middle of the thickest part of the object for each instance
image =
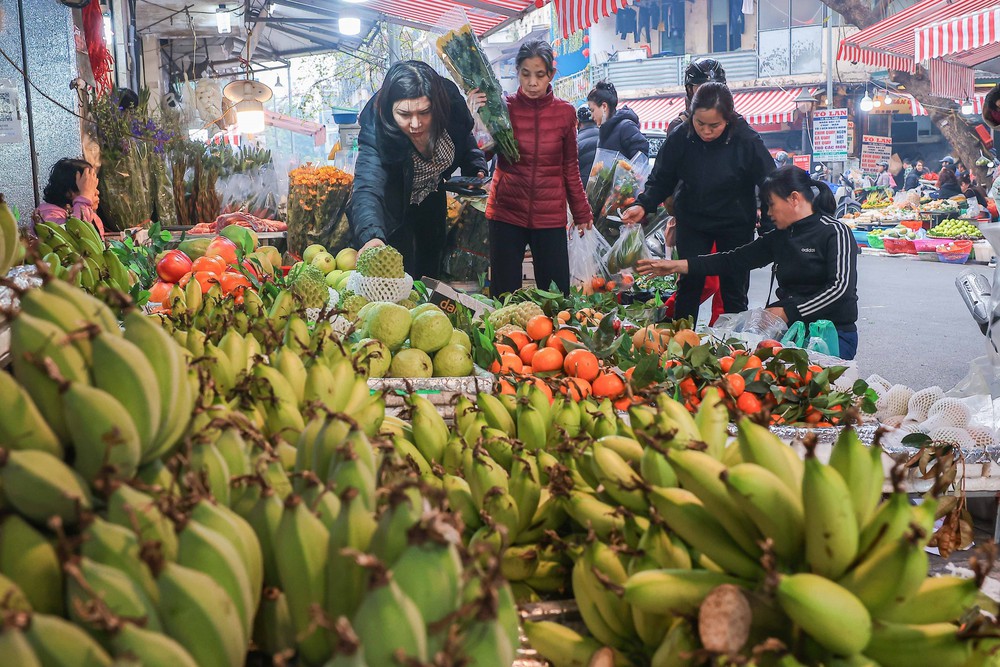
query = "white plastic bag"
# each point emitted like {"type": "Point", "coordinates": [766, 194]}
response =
{"type": "Point", "coordinates": [586, 254]}
{"type": "Point", "coordinates": [627, 250]}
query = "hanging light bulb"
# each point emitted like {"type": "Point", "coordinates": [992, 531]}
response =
{"type": "Point", "coordinates": [224, 20]}
{"type": "Point", "coordinates": [349, 25]}
{"type": "Point", "coordinates": [249, 97]}
{"type": "Point", "coordinates": [888, 99]}
{"type": "Point", "coordinates": [866, 103]}
{"type": "Point", "coordinates": [876, 103]}
{"type": "Point", "coordinates": [277, 84]}
{"type": "Point", "coordinates": [967, 107]}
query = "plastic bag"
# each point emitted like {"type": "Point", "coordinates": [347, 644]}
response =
{"type": "Point", "coordinates": [795, 336]}
{"type": "Point", "coordinates": [628, 181]}
{"type": "Point", "coordinates": [823, 338]}
{"type": "Point", "coordinates": [627, 250]}
{"type": "Point", "coordinates": [586, 254]}
{"type": "Point", "coordinates": [755, 322]}
{"type": "Point", "coordinates": [601, 178]}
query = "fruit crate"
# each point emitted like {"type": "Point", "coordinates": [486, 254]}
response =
{"type": "Point", "coordinates": [861, 237]}
{"type": "Point", "coordinates": [899, 246]}
{"type": "Point", "coordinates": [930, 244]}
{"type": "Point", "coordinates": [441, 392]}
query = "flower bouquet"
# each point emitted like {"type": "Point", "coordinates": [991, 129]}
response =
{"type": "Point", "coordinates": [463, 56]}
{"type": "Point", "coordinates": [628, 181]}
{"type": "Point", "coordinates": [601, 179]}
{"type": "Point", "coordinates": [317, 200]}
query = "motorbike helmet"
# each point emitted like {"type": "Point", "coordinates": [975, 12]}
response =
{"type": "Point", "coordinates": [704, 70]}
{"type": "Point", "coordinates": [583, 114]}
{"type": "Point", "coordinates": [781, 158]}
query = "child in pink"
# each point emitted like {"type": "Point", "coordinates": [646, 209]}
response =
{"type": "Point", "coordinates": [71, 191]}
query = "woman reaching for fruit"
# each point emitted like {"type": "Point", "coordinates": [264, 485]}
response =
{"type": "Point", "coordinates": [815, 257]}
{"type": "Point", "coordinates": [712, 165]}
{"type": "Point", "coordinates": [527, 203]}
{"type": "Point", "coordinates": [71, 192]}
{"type": "Point", "coordinates": [415, 132]}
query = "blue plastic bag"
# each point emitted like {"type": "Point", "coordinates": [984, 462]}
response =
{"type": "Point", "coordinates": [795, 336]}
{"type": "Point", "coordinates": [823, 338]}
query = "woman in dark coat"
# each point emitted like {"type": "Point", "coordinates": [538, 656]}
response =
{"type": "Point", "coordinates": [712, 164]}
{"type": "Point", "coordinates": [415, 133]}
{"type": "Point", "coordinates": [619, 127]}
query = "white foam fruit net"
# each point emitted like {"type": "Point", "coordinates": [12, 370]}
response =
{"type": "Point", "coordinates": [952, 411]}
{"type": "Point", "coordinates": [955, 436]}
{"type": "Point", "coordinates": [894, 402]}
{"type": "Point", "coordinates": [982, 436]}
{"type": "Point", "coordinates": [894, 421]}
{"type": "Point", "coordinates": [921, 402]}
{"type": "Point", "coordinates": [879, 384]}
{"type": "Point", "coordinates": [380, 289]}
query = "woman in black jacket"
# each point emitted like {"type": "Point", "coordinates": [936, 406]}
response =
{"type": "Point", "coordinates": [587, 136]}
{"type": "Point", "coordinates": [715, 161]}
{"type": "Point", "coordinates": [415, 132]}
{"type": "Point", "coordinates": [948, 183]}
{"type": "Point", "coordinates": [619, 128]}
{"type": "Point", "coordinates": [815, 257]}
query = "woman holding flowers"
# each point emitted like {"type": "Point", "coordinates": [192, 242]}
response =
{"type": "Point", "coordinates": [415, 133]}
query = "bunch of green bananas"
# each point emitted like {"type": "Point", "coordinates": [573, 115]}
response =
{"type": "Point", "coordinates": [11, 247]}
{"type": "Point", "coordinates": [77, 244]}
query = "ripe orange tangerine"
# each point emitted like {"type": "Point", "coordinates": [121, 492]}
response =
{"type": "Point", "coordinates": [608, 385]}
{"type": "Point", "coordinates": [539, 327]}
{"type": "Point", "coordinates": [519, 338]}
{"type": "Point", "coordinates": [748, 403]}
{"type": "Point", "coordinates": [528, 352]}
{"type": "Point", "coordinates": [576, 389]}
{"type": "Point", "coordinates": [503, 348]}
{"type": "Point", "coordinates": [509, 363]}
{"type": "Point", "coordinates": [582, 364]}
{"type": "Point", "coordinates": [547, 359]}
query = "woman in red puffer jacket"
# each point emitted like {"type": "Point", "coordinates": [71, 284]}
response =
{"type": "Point", "coordinates": [527, 203]}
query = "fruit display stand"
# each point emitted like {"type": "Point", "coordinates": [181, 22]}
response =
{"type": "Point", "coordinates": [441, 392]}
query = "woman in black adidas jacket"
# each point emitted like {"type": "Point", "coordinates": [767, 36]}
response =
{"type": "Point", "coordinates": [815, 256]}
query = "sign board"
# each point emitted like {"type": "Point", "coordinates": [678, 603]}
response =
{"type": "Point", "coordinates": [830, 135]}
{"type": "Point", "coordinates": [445, 297]}
{"type": "Point", "coordinates": [873, 150]}
{"type": "Point", "coordinates": [10, 116]}
{"type": "Point", "coordinates": [803, 162]}
{"type": "Point", "coordinates": [850, 137]}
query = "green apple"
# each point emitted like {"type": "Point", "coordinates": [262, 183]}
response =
{"type": "Point", "coordinates": [342, 283]}
{"type": "Point", "coordinates": [333, 278]}
{"type": "Point", "coordinates": [272, 254]}
{"type": "Point", "coordinates": [311, 252]}
{"type": "Point", "coordinates": [347, 259]}
{"type": "Point", "coordinates": [325, 262]}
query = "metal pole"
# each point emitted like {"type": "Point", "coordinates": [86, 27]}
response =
{"type": "Point", "coordinates": [829, 58]}
{"type": "Point", "coordinates": [27, 101]}
{"type": "Point", "coordinates": [393, 38]}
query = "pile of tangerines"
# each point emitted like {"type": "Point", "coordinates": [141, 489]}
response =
{"type": "Point", "coordinates": [539, 354]}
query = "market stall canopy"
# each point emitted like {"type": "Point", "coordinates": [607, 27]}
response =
{"type": "Point", "coordinates": [967, 32]}
{"type": "Point", "coordinates": [892, 43]}
{"type": "Point", "coordinates": [758, 107]}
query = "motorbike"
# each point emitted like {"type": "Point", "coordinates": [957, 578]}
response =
{"type": "Point", "coordinates": [981, 296]}
{"type": "Point", "coordinates": [846, 202]}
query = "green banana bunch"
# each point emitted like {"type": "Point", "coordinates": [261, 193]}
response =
{"type": "Point", "coordinates": [389, 623]}
{"type": "Point", "coordinates": [832, 615]}
{"type": "Point", "coordinates": [59, 642]}
{"type": "Point", "coordinates": [10, 242]}
{"type": "Point", "coordinates": [88, 581]}
{"type": "Point", "coordinates": [936, 644]}
{"type": "Point", "coordinates": [831, 531]}
{"type": "Point", "coordinates": [39, 486]}
{"type": "Point", "coordinates": [30, 561]}
{"type": "Point", "coordinates": [23, 426]}
{"type": "Point", "coordinates": [773, 508]}
{"type": "Point", "coordinates": [889, 576]}
{"type": "Point", "coordinates": [560, 645]}
{"type": "Point", "coordinates": [16, 648]}
{"type": "Point", "coordinates": [132, 509]}
{"type": "Point", "coordinates": [118, 547]}
{"type": "Point", "coordinates": [300, 551]}
{"type": "Point", "coordinates": [152, 649]}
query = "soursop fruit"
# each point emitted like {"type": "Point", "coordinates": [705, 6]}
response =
{"type": "Point", "coordinates": [309, 284]}
{"type": "Point", "coordinates": [352, 304]}
{"type": "Point", "coordinates": [381, 262]}
{"type": "Point", "coordinates": [518, 313]}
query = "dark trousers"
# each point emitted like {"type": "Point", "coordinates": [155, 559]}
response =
{"type": "Point", "coordinates": [692, 242]}
{"type": "Point", "coordinates": [848, 341]}
{"type": "Point", "coordinates": [548, 251]}
{"type": "Point", "coordinates": [421, 238]}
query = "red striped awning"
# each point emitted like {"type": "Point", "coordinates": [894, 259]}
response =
{"type": "Point", "coordinates": [575, 15]}
{"type": "Point", "coordinates": [958, 34]}
{"type": "Point", "coordinates": [482, 15]}
{"type": "Point", "coordinates": [917, 109]}
{"type": "Point", "coordinates": [891, 43]}
{"type": "Point", "coordinates": [758, 107]}
{"type": "Point", "coordinates": [951, 79]}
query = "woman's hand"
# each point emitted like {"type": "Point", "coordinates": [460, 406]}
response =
{"type": "Point", "coordinates": [581, 227]}
{"type": "Point", "coordinates": [633, 215]}
{"type": "Point", "coordinates": [374, 243]}
{"type": "Point", "coordinates": [476, 100]}
{"type": "Point", "coordinates": [86, 184]}
{"type": "Point", "coordinates": [778, 312]}
{"type": "Point", "coordinates": [661, 267]}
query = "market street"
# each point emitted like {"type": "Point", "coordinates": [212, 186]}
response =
{"type": "Point", "coordinates": [914, 327]}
